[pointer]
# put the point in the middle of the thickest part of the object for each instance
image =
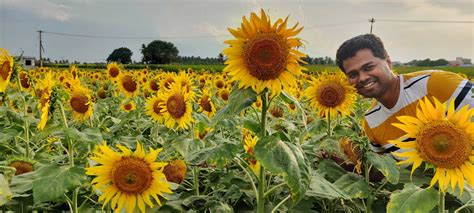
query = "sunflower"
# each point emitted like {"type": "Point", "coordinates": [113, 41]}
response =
{"type": "Point", "coordinates": [128, 106]}
{"type": "Point", "coordinates": [6, 69]}
{"type": "Point", "coordinates": [249, 144]}
{"type": "Point", "coordinates": [80, 103]}
{"type": "Point", "coordinates": [21, 164]}
{"type": "Point", "coordinates": [167, 79]}
{"type": "Point", "coordinates": [201, 133]}
{"type": "Point", "coordinates": [128, 85]}
{"type": "Point", "coordinates": [113, 70]}
{"type": "Point", "coordinates": [176, 106]}
{"type": "Point", "coordinates": [128, 179]}
{"type": "Point", "coordinates": [224, 94]}
{"type": "Point", "coordinates": [44, 93]}
{"type": "Point", "coordinates": [264, 55]}
{"type": "Point", "coordinates": [205, 103]}
{"type": "Point", "coordinates": [442, 139]}
{"type": "Point", "coordinates": [175, 171]}
{"type": "Point", "coordinates": [330, 93]}
{"type": "Point", "coordinates": [153, 108]}
{"type": "Point", "coordinates": [24, 80]}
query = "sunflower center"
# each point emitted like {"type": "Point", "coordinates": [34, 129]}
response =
{"type": "Point", "coordinates": [156, 108]}
{"type": "Point", "coordinates": [5, 70]}
{"type": "Point", "coordinates": [444, 145]}
{"type": "Point", "coordinates": [154, 85]}
{"type": "Point", "coordinates": [219, 84]}
{"type": "Point", "coordinates": [265, 56]}
{"type": "Point", "coordinates": [24, 81]}
{"type": "Point", "coordinates": [21, 167]}
{"type": "Point", "coordinates": [176, 106]}
{"type": "Point", "coordinates": [79, 103]}
{"type": "Point", "coordinates": [206, 104]}
{"type": "Point", "coordinates": [129, 84]}
{"type": "Point", "coordinates": [131, 175]}
{"type": "Point", "coordinates": [114, 71]}
{"type": "Point", "coordinates": [225, 95]}
{"type": "Point", "coordinates": [330, 94]}
{"type": "Point", "coordinates": [128, 106]}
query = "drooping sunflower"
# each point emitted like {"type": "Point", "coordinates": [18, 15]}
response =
{"type": "Point", "coordinates": [264, 55]}
{"type": "Point", "coordinates": [205, 103]}
{"type": "Point", "coordinates": [176, 107]}
{"type": "Point", "coordinates": [331, 94]}
{"type": "Point", "coordinates": [153, 108]}
{"type": "Point", "coordinates": [128, 179]}
{"type": "Point", "coordinates": [80, 103]}
{"type": "Point", "coordinates": [6, 69]}
{"type": "Point", "coordinates": [113, 70]}
{"type": "Point", "coordinates": [441, 138]}
{"type": "Point", "coordinates": [44, 94]}
{"type": "Point", "coordinates": [128, 85]}
{"type": "Point", "coordinates": [175, 171]}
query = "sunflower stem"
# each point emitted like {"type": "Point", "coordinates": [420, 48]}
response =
{"type": "Point", "coordinates": [70, 144]}
{"type": "Point", "coordinates": [368, 207]}
{"type": "Point", "coordinates": [441, 202]}
{"type": "Point", "coordinates": [196, 179]}
{"type": "Point", "coordinates": [281, 203]}
{"type": "Point", "coordinates": [261, 184]}
{"type": "Point", "coordinates": [329, 123]}
{"type": "Point", "coordinates": [26, 124]}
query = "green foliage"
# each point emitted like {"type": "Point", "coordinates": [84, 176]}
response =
{"type": "Point", "coordinates": [385, 164]}
{"type": "Point", "coordinates": [239, 99]}
{"type": "Point", "coordinates": [122, 55]}
{"type": "Point", "coordinates": [288, 160]}
{"type": "Point", "coordinates": [413, 199]}
{"type": "Point", "coordinates": [159, 52]}
{"type": "Point", "coordinates": [53, 181]}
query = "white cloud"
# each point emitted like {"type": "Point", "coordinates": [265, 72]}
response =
{"type": "Point", "coordinates": [43, 9]}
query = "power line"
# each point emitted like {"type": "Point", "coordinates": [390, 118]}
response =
{"type": "Point", "coordinates": [132, 37]}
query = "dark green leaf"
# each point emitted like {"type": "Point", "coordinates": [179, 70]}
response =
{"type": "Point", "coordinates": [353, 185]}
{"type": "Point", "coordinates": [52, 181]}
{"type": "Point", "coordinates": [86, 135]}
{"type": "Point", "coordinates": [413, 199]}
{"type": "Point", "coordinates": [385, 164]}
{"type": "Point", "coordinates": [320, 187]}
{"type": "Point", "coordinates": [239, 99]}
{"type": "Point", "coordinates": [288, 160]}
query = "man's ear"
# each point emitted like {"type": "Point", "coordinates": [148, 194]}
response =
{"type": "Point", "coordinates": [389, 61]}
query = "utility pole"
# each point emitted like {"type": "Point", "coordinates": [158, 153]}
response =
{"type": "Point", "coordinates": [40, 48]}
{"type": "Point", "coordinates": [372, 21]}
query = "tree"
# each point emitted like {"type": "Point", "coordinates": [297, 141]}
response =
{"type": "Point", "coordinates": [122, 55]}
{"type": "Point", "coordinates": [159, 52]}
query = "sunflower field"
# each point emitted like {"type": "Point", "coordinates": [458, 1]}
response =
{"type": "Point", "coordinates": [264, 135]}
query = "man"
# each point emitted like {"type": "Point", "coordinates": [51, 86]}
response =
{"type": "Point", "coordinates": [368, 66]}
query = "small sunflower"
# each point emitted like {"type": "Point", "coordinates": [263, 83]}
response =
{"type": "Point", "coordinates": [113, 70]}
{"type": "Point", "coordinates": [177, 107]}
{"type": "Point", "coordinates": [330, 93]}
{"type": "Point", "coordinates": [249, 144]}
{"type": "Point", "coordinates": [128, 179]}
{"type": "Point", "coordinates": [6, 69]}
{"type": "Point", "coordinates": [128, 106]}
{"type": "Point", "coordinates": [202, 133]}
{"type": "Point", "coordinates": [442, 138]}
{"type": "Point", "coordinates": [24, 80]}
{"type": "Point", "coordinates": [21, 164]}
{"type": "Point", "coordinates": [153, 108]}
{"type": "Point", "coordinates": [80, 103]}
{"type": "Point", "coordinates": [175, 171]}
{"type": "Point", "coordinates": [264, 55]}
{"type": "Point", "coordinates": [224, 94]}
{"type": "Point", "coordinates": [205, 103]}
{"type": "Point", "coordinates": [128, 85]}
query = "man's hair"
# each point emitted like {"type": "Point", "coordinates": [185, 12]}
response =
{"type": "Point", "coordinates": [350, 47]}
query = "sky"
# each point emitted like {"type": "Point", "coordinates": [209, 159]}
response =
{"type": "Point", "coordinates": [199, 28]}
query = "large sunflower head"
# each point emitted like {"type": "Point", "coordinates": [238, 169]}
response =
{"type": "Point", "coordinates": [331, 94]}
{"type": "Point", "coordinates": [128, 179]}
{"type": "Point", "coordinates": [80, 103]}
{"type": "Point", "coordinates": [153, 108]}
{"type": "Point", "coordinates": [442, 138]}
{"type": "Point", "coordinates": [6, 69]}
{"type": "Point", "coordinates": [177, 107]}
{"type": "Point", "coordinates": [263, 55]}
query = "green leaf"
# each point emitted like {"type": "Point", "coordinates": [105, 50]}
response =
{"type": "Point", "coordinates": [22, 184]}
{"type": "Point", "coordinates": [219, 155]}
{"type": "Point", "coordinates": [290, 99]}
{"type": "Point", "coordinates": [330, 170]}
{"type": "Point", "coordinates": [86, 135]}
{"type": "Point", "coordinates": [385, 164]}
{"type": "Point", "coordinates": [239, 99]}
{"type": "Point", "coordinates": [322, 188]}
{"type": "Point", "coordinates": [353, 185]}
{"type": "Point", "coordinates": [288, 160]}
{"type": "Point", "coordinates": [5, 193]}
{"type": "Point", "coordinates": [52, 181]}
{"type": "Point", "coordinates": [413, 199]}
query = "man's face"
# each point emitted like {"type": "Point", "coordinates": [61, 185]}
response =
{"type": "Point", "coordinates": [370, 75]}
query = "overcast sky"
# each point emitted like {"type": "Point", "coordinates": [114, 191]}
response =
{"type": "Point", "coordinates": [198, 28]}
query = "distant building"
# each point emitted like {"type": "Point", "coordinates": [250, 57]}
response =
{"type": "Point", "coordinates": [460, 61]}
{"type": "Point", "coordinates": [28, 62]}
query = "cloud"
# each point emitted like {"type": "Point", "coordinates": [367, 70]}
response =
{"type": "Point", "coordinates": [43, 9]}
